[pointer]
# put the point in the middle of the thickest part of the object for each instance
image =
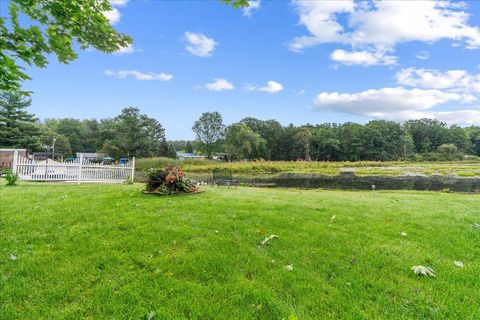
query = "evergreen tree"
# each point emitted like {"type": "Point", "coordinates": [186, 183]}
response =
{"type": "Point", "coordinates": [18, 128]}
{"type": "Point", "coordinates": [133, 134]}
{"type": "Point", "coordinates": [171, 152]}
{"type": "Point", "coordinates": [188, 147]}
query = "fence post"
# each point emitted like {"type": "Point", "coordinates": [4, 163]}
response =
{"type": "Point", "coordinates": [15, 160]}
{"type": "Point", "coordinates": [133, 168]}
{"type": "Point", "coordinates": [80, 163]}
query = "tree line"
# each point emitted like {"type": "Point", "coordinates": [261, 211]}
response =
{"type": "Point", "coordinates": [132, 133]}
{"type": "Point", "coordinates": [379, 140]}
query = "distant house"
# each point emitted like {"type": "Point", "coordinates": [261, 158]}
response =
{"type": "Point", "coordinates": [47, 155]}
{"type": "Point", "coordinates": [183, 156]}
{"type": "Point", "coordinates": [6, 156]}
{"type": "Point", "coordinates": [90, 155]}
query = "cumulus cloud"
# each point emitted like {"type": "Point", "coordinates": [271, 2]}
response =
{"type": "Point", "coordinates": [219, 85]}
{"type": "Point", "coordinates": [364, 58]}
{"type": "Point", "coordinates": [463, 117]}
{"type": "Point", "coordinates": [126, 50]}
{"type": "Point", "coordinates": [122, 74]}
{"type": "Point", "coordinates": [396, 103]}
{"type": "Point", "coordinates": [112, 15]}
{"type": "Point", "coordinates": [271, 87]}
{"type": "Point", "coordinates": [452, 80]}
{"type": "Point", "coordinates": [252, 5]}
{"type": "Point", "coordinates": [199, 44]}
{"type": "Point", "coordinates": [378, 26]}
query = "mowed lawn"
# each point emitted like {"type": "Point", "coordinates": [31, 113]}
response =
{"type": "Point", "coordinates": [111, 252]}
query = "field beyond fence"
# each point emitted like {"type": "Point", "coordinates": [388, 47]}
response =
{"type": "Point", "coordinates": [460, 176]}
{"type": "Point", "coordinates": [469, 168]}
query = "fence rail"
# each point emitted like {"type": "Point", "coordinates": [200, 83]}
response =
{"type": "Point", "coordinates": [79, 170]}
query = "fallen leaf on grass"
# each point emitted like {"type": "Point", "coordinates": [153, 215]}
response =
{"type": "Point", "coordinates": [261, 231]}
{"type": "Point", "coordinates": [151, 315]}
{"type": "Point", "coordinates": [424, 271]}
{"type": "Point", "coordinates": [267, 239]}
{"type": "Point", "coordinates": [169, 274]}
{"type": "Point", "coordinates": [289, 267]}
{"type": "Point", "coordinates": [458, 263]}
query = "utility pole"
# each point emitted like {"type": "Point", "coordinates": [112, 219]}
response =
{"type": "Point", "coordinates": [53, 148]}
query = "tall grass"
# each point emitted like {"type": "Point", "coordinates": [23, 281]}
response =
{"type": "Point", "coordinates": [461, 168]}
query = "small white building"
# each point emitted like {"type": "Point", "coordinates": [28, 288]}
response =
{"type": "Point", "coordinates": [183, 156]}
{"type": "Point", "coordinates": [90, 155]}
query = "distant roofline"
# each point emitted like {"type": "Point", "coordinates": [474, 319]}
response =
{"type": "Point", "coordinates": [189, 155]}
{"type": "Point", "coordinates": [92, 154]}
{"type": "Point", "coordinates": [13, 149]}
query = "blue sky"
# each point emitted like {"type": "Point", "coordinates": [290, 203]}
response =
{"type": "Point", "coordinates": [297, 62]}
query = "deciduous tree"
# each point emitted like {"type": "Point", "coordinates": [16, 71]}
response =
{"type": "Point", "coordinates": [209, 129]}
{"type": "Point", "coordinates": [241, 142]}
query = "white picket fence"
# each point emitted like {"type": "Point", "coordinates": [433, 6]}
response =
{"type": "Point", "coordinates": [79, 170]}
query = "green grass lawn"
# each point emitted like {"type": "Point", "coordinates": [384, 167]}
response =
{"type": "Point", "coordinates": [111, 252]}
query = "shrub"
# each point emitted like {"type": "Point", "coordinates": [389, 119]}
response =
{"type": "Point", "coordinates": [169, 180]}
{"type": "Point", "coordinates": [11, 178]}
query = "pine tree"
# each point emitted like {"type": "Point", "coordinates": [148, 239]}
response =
{"type": "Point", "coordinates": [171, 152]}
{"type": "Point", "coordinates": [188, 147]}
{"type": "Point", "coordinates": [18, 128]}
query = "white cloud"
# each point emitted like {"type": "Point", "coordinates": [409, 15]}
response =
{"type": "Point", "coordinates": [271, 87]}
{"type": "Point", "coordinates": [319, 17]}
{"type": "Point", "coordinates": [378, 26]}
{"type": "Point", "coordinates": [396, 104]}
{"type": "Point", "coordinates": [113, 15]}
{"type": "Point", "coordinates": [126, 50]}
{"type": "Point", "coordinates": [252, 5]}
{"type": "Point", "coordinates": [452, 80]}
{"type": "Point", "coordinates": [199, 44]}
{"type": "Point", "coordinates": [364, 58]}
{"type": "Point", "coordinates": [119, 3]}
{"type": "Point", "coordinates": [219, 85]}
{"type": "Point", "coordinates": [462, 117]}
{"type": "Point", "coordinates": [122, 74]}
{"type": "Point", "coordinates": [423, 55]}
